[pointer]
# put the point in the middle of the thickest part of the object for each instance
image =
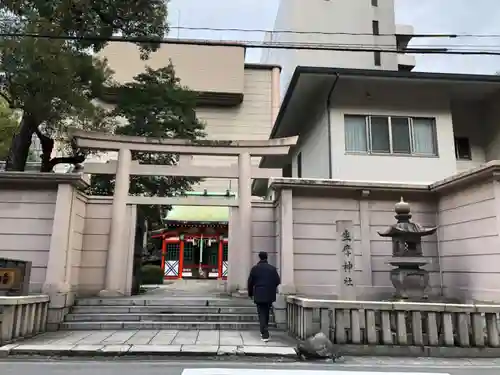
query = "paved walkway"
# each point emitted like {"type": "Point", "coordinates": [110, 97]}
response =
{"type": "Point", "coordinates": [190, 288]}
{"type": "Point", "coordinates": [168, 342]}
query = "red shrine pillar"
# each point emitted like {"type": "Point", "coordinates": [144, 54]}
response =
{"type": "Point", "coordinates": [220, 256]}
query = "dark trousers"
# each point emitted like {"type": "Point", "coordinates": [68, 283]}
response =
{"type": "Point", "coordinates": [264, 309]}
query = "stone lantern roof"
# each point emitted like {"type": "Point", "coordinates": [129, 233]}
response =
{"type": "Point", "coordinates": [404, 226]}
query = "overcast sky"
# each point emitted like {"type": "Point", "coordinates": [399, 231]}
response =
{"type": "Point", "coordinates": [426, 16]}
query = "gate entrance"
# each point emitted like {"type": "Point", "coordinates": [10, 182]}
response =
{"type": "Point", "coordinates": [119, 265]}
{"type": "Point", "coordinates": [194, 257]}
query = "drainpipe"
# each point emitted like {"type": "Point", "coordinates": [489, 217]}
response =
{"type": "Point", "coordinates": [328, 105]}
{"type": "Point", "coordinates": [438, 248]}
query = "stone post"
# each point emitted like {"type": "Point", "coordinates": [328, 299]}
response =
{"type": "Point", "coordinates": [115, 273]}
{"type": "Point", "coordinates": [244, 216]}
{"type": "Point", "coordinates": [234, 272]}
{"type": "Point", "coordinates": [286, 237]}
{"type": "Point", "coordinates": [286, 253]}
{"type": "Point", "coordinates": [57, 285]}
{"type": "Point", "coordinates": [55, 279]}
{"type": "Point", "coordinates": [345, 240]}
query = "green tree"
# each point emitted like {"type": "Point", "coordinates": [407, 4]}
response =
{"type": "Point", "coordinates": [8, 125]}
{"type": "Point", "coordinates": [155, 104]}
{"type": "Point", "coordinates": [54, 81]}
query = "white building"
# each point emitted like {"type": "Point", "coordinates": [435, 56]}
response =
{"type": "Point", "coordinates": [343, 23]}
{"type": "Point", "coordinates": [387, 126]}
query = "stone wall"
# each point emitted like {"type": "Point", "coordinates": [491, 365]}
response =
{"type": "Point", "coordinates": [45, 219]}
{"type": "Point", "coordinates": [469, 244]}
{"type": "Point", "coordinates": [263, 231]}
{"type": "Point", "coordinates": [462, 256]}
{"type": "Point", "coordinates": [26, 224]}
{"type": "Point", "coordinates": [95, 246]}
{"type": "Point", "coordinates": [315, 243]}
{"type": "Point", "coordinates": [316, 248]}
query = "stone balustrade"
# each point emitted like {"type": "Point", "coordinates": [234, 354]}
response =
{"type": "Point", "coordinates": [367, 324]}
{"type": "Point", "coordinates": [23, 316]}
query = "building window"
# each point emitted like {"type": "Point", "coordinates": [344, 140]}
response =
{"type": "Point", "coordinates": [390, 135]}
{"type": "Point", "coordinates": [462, 148]}
{"type": "Point", "coordinates": [377, 58]}
{"type": "Point", "coordinates": [299, 165]}
{"type": "Point", "coordinates": [287, 170]}
{"type": "Point", "coordinates": [375, 28]}
{"type": "Point", "coordinates": [374, 3]}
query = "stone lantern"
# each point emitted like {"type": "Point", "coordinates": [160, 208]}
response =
{"type": "Point", "coordinates": [411, 281]}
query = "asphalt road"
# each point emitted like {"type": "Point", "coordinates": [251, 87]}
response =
{"type": "Point", "coordinates": [375, 366]}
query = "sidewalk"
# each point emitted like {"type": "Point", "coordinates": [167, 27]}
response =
{"type": "Point", "coordinates": [152, 342]}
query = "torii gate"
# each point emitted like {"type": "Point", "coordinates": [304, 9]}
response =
{"type": "Point", "coordinates": [124, 167]}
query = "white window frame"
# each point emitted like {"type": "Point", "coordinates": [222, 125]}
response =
{"type": "Point", "coordinates": [410, 119]}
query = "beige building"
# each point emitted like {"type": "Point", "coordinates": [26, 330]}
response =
{"type": "Point", "coordinates": [236, 100]}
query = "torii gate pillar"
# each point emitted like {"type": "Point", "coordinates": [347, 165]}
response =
{"type": "Point", "coordinates": [244, 219]}
{"type": "Point", "coordinates": [116, 269]}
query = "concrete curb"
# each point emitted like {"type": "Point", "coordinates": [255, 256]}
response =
{"type": "Point", "coordinates": [416, 351]}
{"type": "Point", "coordinates": [145, 350]}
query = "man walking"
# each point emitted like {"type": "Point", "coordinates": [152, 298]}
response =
{"type": "Point", "coordinates": [262, 284]}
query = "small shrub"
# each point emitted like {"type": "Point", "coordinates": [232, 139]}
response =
{"type": "Point", "coordinates": [151, 275]}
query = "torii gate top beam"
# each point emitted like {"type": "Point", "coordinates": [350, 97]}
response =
{"type": "Point", "coordinates": [109, 142]}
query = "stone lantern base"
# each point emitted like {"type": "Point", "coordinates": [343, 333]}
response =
{"type": "Point", "coordinates": [411, 282]}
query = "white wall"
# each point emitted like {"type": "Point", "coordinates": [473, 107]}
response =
{"type": "Point", "coordinates": [313, 147]}
{"type": "Point", "coordinates": [384, 168]}
{"type": "Point", "coordinates": [492, 135]}
{"type": "Point", "coordinates": [468, 121]}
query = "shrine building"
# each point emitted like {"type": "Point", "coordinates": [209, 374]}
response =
{"type": "Point", "coordinates": [195, 241]}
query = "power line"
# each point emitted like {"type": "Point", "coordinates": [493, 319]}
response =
{"type": "Point", "coordinates": [366, 45]}
{"type": "Point", "coordinates": [433, 46]}
{"type": "Point", "coordinates": [424, 35]}
{"type": "Point", "coordinates": [255, 44]}
{"type": "Point", "coordinates": [430, 35]}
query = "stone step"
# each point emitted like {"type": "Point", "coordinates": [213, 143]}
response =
{"type": "Point", "coordinates": [162, 309]}
{"type": "Point", "coordinates": [89, 326]}
{"type": "Point", "coordinates": [161, 317]}
{"type": "Point", "coordinates": [167, 301]}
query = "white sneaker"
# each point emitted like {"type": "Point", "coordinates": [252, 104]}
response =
{"type": "Point", "coordinates": [265, 339]}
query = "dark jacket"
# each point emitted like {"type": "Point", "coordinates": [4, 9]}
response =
{"type": "Point", "coordinates": [263, 282]}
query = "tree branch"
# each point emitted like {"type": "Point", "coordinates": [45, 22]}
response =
{"type": "Point", "coordinates": [106, 19]}
{"type": "Point", "coordinates": [47, 147]}
{"type": "Point", "coordinates": [49, 163]}
{"type": "Point", "coordinates": [75, 160]}
{"type": "Point", "coordinates": [7, 99]}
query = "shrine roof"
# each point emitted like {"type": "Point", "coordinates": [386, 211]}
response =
{"type": "Point", "coordinates": [199, 214]}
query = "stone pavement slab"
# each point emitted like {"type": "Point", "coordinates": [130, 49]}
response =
{"type": "Point", "coordinates": [155, 349]}
{"type": "Point", "coordinates": [153, 342]}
